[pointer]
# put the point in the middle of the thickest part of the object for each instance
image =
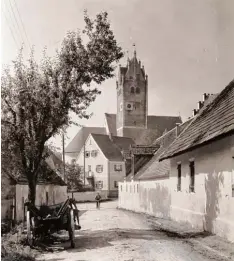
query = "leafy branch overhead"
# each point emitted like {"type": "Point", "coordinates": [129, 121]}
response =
{"type": "Point", "coordinates": [38, 98]}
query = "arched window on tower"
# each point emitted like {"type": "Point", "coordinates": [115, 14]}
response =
{"type": "Point", "coordinates": [138, 90]}
{"type": "Point", "coordinates": [132, 89]}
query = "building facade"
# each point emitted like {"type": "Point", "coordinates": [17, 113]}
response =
{"type": "Point", "coordinates": [199, 187]}
{"type": "Point", "coordinates": [103, 163]}
{"type": "Point", "coordinates": [132, 98]}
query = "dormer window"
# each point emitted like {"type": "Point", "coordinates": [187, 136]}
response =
{"type": "Point", "coordinates": [138, 90]}
{"type": "Point", "coordinates": [132, 90]}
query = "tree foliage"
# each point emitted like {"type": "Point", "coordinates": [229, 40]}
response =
{"type": "Point", "coordinates": [73, 176]}
{"type": "Point", "coordinates": [37, 98]}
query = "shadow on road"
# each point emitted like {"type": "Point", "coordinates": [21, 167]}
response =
{"type": "Point", "coordinates": [103, 238]}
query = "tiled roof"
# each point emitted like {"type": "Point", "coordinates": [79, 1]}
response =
{"type": "Point", "coordinates": [112, 148]}
{"type": "Point", "coordinates": [214, 121]}
{"type": "Point", "coordinates": [151, 168]}
{"type": "Point", "coordinates": [111, 123]}
{"type": "Point", "coordinates": [154, 169]}
{"type": "Point", "coordinates": [78, 141]}
{"type": "Point", "coordinates": [50, 172]}
{"type": "Point", "coordinates": [156, 126]}
{"type": "Point", "coordinates": [162, 123]}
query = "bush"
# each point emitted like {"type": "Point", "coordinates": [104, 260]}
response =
{"type": "Point", "coordinates": [14, 247]}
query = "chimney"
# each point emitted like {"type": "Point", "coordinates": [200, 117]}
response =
{"type": "Point", "coordinates": [194, 112]}
{"type": "Point", "coordinates": [177, 129]}
{"type": "Point", "coordinates": [199, 105]}
{"type": "Point", "coordinates": [205, 96]}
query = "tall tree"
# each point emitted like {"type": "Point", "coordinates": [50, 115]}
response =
{"type": "Point", "coordinates": [37, 98]}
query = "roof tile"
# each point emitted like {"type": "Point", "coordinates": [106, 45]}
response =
{"type": "Point", "coordinates": [216, 119]}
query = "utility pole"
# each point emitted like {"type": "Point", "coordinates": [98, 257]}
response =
{"type": "Point", "coordinates": [84, 158]}
{"type": "Point", "coordinates": [63, 143]}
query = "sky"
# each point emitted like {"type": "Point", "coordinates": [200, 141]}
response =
{"type": "Point", "coordinates": [186, 46]}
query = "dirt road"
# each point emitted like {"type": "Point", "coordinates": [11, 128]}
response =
{"type": "Point", "coordinates": [110, 234]}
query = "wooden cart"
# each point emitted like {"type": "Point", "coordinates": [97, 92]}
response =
{"type": "Point", "coordinates": [50, 219]}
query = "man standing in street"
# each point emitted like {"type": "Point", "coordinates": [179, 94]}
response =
{"type": "Point", "coordinates": [98, 199]}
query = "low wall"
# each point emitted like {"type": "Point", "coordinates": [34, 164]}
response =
{"type": "Point", "coordinates": [87, 196]}
{"type": "Point", "coordinates": [146, 197]}
{"type": "Point", "coordinates": [157, 198]}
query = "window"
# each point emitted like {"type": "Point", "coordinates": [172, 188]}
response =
{"type": "Point", "coordinates": [116, 184]}
{"type": "Point", "coordinates": [94, 153]}
{"type": "Point", "coordinates": [132, 89]}
{"type": "Point", "coordinates": [99, 168]}
{"type": "Point", "coordinates": [119, 91]}
{"type": "Point", "coordinates": [23, 207]}
{"type": "Point", "coordinates": [138, 90]}
{"type": "Point", "coordinates": [121, 107]}
{"type": "Point", "coordinates": [53, 198]}
{"type": "Point", "coordinates": [47, 198]}
{"type": "Point", "coordinates": [99, 184]}
{"type": "Point", "coordinates": [192, 176]}
{"type": "Point", "coordinates": [89, 167]}
{"type": "Point", "coordinates": [87, 153]}
{"type": "Point", "coordinates": [179, 177]}
{"type": "Point", "coordinates": [137, 188]}
{"type": "Point", "coordinates": [118, 167]}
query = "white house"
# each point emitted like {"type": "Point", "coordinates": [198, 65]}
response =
{"type": "Point", "coordinates": [202, 168]}
{"type": "Point", "coordinates": [192, 179]}
{"type": "Point", "coordinates": [102, 156]}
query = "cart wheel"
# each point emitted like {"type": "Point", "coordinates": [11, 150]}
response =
{"type": "Point", "coordinates": [30, 226]}
{"type": "Point", "coordinates": [71, 229]}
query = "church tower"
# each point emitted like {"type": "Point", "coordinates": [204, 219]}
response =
{"type": "Point", "coordinates": [132, 98]}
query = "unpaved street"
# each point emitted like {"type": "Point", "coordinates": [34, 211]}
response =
{"type": "Point", "coordinates": [112, 234]}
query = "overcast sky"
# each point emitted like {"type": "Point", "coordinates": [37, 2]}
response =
{"type": "Point", "coordinates": [186, 46]}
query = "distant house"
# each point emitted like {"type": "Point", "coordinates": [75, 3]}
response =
{"type": "Point", "coordinates": [202, 168]}
{"type": "Point", "coordinates": [103, 157]}
{"type": "Point", "coordinates": [51, 189]}
{"type": "Point", "coordinates": [75, 146]}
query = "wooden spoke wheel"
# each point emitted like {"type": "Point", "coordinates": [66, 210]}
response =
{"type": "Point", "coordinates": [30, 227]}
{"type": "Point", "coordinates": [71, 228]}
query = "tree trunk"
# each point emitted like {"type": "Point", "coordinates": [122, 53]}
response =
{"type": "Point", "coordinates": [32, 190]}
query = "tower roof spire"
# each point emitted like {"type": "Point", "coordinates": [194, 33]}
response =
{"type": "Point", "coordinates": [134, 46]}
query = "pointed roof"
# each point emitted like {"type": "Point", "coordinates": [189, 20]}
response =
{"type": "Point", "coordinates": [78, 141]}
{"type": "Point", "coordinates": [112, 148]}
{"type": "Point", "coordinates": [132, 69]}
{"type": "Point", "coordinates": [215, 121]}
{"type": "Point", "coordinates": [111, 123]}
